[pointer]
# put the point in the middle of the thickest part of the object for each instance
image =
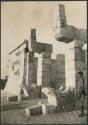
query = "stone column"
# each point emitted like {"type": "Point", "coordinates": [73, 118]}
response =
{"type": "Point", "coordinates": [25, 67]}
{"type": "Point", "coordinates": [74, 39]}
{"type": "Point", "coordinates": [53, 73]}
{"type": "Point", "coordinates": [39, 70]}
{"type": "Point", "coordinates": [74, 61]}
{"type": "Point", "coordinates": [24, 83]}
{"type": "Point", "coordinates": [43, 70]}
{"type": "Point", "coordinates": [60, 70]}
{"type": "Point", "coordinates": [46, 69]}
{"type": "Point", "coordinates": [30, 69]}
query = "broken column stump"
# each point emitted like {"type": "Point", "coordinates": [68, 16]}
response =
{"type": "Point", "coordinates": [13, 98]}
{"type": "Point", "coordinates": [36, 110]}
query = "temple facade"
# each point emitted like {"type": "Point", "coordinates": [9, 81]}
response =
{"type": "Point", "coordinates": [37, 65]}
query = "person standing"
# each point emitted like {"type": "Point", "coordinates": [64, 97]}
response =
{"type": "Point", "coordinates": [81, 93]}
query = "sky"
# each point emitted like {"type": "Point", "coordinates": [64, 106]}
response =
{"type": "Point", "coordinates": [17, 18]}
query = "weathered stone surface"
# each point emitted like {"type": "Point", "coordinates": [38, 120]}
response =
{"type": "Point", "coordinates": [79, 54]}
{"type": "Point", "coordinates": [46, 61]}
{"type": "Point", "coordinates": [34, 92]}
{"type": "Point", "coordinates": [66, 33]}
{"type": "Point", "coordinates": [13, 98]}
{"type": "Point", "coordinates": [46, 67]}
{"type": "Point", "coordinates": [48, 47]}
{"type": "Point", "coordinates": [30, 69]}
{"type": "Point", "coordinates": [52, 100]}
{"type": "Point", "coordinates": [35, 63]}
{"type": "Point", "coordinates": [61, 100]}
{"type": "Point", "coordinates": [53, 64]}
{"type": "Point", "coordinates": [60, 75]}
{"type": "Point", "coordinates": [80, 65]}
{"type": "Point", "coordinates": [60, 67]}
{"type": "Point", "coordinates": [46, 55]}
{"type": "Point", "coordinates": [33, 34]}
{"type": "Point", "coordinates": [59, 82]}
{"type": "Point", "coordinates": [37, 46]}
{"type": "Point", "coordinates": [34, 110]}
{"type": "Point", "coordinates": [60, 57]}
{"type": "Point", "coordinates": [32, 73]}
{"type": "Point", "coordinates": [46, 80]}
{"type": "Point", "coordinates": [46, 74]}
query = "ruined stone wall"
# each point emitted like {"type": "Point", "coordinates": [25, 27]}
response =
{"type": "Point", "coordinates": [51, 73]}
{"type": "Point", "coordinates": [60, 70]}
{"type": "Point", "coordinates": [32, 70]}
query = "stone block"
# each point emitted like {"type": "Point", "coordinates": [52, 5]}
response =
{"type": "Point", "coordinates": [33, 34]}
{"type": "Point", "coordinates": [45, 67]}
{"type": "Point", "coordinates": [52, 100]}
{"type": "Point", "coordinates": [60, 75]}
{"type": "Point", "coordinates": [79, 43]}
{"type": "Point", "coordinates": [34, 110]}
{"type": "Point", "coordinates": [46, 82]}
{"type": "Point", "coordinates": [64, 34]}
{"type": "Point", "coordinates": [44, 109]}
{"type": "Point", "coordinates": [30, 65]}
{"type": "Point", "coordinates": [59, 63]}
{"type": "Point", "coordinates": [46, 74]}
{"type": "Point", "coordinates": [80, 65]}
{"type": "Point", "coordinates": [60, 67]}
{"type": "Point", "coordinates": [48, 47]}
{"type": "Point", "coordinates": [30, 72]}
{"type": "Point", "coordinates": [46, 55]}
{"type": "Point", "coordinates": [79, 55]}
{"type": "Point", "coordinates": [13, 98]}
{"type": "Point", "coordinates": [53, 65]}
{"type": "Point", "coordinates": [61, 9]}
{"type": "Point", "coordinates": [53, 68]}
{"type": "Point", "coordinates": [60, 71]}
{"type": "Point", "coordinates": [60, 56]}
{"type": "Point", "coordinates": [37, 47]}
{"type": "Point", "coordinates": [46, 61]}
{"type": "Point", "coordinates": [60, 59]}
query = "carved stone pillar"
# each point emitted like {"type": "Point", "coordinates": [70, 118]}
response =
{"type": "Point", "coordinates": [25, 74]}
{"type": "Point", "coordinates": [74, 62]}
{"type": "Point", "coordinates": [39, 70]}
{"type": "Point", "coordinates": [44, 69]}
{"type": "Point", "coordinates": [30, 69]}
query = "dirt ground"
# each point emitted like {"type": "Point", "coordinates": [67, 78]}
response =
{"type": "Point", "coordinates": [13, 113]}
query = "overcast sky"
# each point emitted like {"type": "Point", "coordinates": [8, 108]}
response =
{"type": "Point", "coordinates": [17, 18]}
